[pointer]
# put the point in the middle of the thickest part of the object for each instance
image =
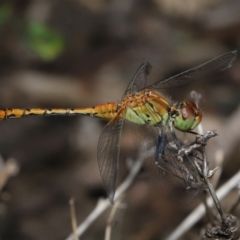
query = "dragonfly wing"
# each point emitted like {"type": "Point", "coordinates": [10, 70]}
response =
{"type": "Point", "coordinates": [161, 162]}
{"type": "Point", "coordinates": [207, 69]}
{"type": "Point", "coordinates": [108, 155]}
{"type": "Point", "coordinates": [184, 168]}
{"type": "Point", "coordinates": [139, 80]}
{"type": "Point", "coordinates": [147, 140]}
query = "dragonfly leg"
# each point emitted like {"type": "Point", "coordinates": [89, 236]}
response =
{"type": "Point", "coordinates": [161, 143]}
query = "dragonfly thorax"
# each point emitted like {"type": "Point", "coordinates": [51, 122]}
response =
{"type": "Point", "coordinates": [188, 116]}
{"type": "Point", "coordinates": [146, 107]}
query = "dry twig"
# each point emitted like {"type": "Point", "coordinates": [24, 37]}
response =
{"type": "Point", "coordinates": [73, 218]}
{"type": "Point", "coordinates": [103, 204]}
{"type": "Point", "coordinates": [199, 212]}
{"type": "Point", "coordinates": [111, 216]}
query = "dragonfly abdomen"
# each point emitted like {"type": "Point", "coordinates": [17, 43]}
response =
{"type": "Point", "coordinates": [24, 112]}
{"type": "Point", "coordinates": [106, 111]}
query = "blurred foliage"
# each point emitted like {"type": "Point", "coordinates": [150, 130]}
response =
{"type": "Point", "coordinates": [43, 41]}
{"type": "Point", "coordinates": [5, 13]}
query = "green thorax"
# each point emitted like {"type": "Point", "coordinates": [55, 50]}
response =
{"type": "Point", "coordinates": [146, 107]}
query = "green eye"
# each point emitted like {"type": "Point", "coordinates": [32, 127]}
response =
{"type": "Point", "coordinates": [189, 116]}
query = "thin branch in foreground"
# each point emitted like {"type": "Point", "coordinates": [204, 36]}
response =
{"type": "Point", "coordinates": [111, 216]}
{"type": "Point", "coordinates": [224, 229]}
{"type": "Point", "coordinates": [199, 212]}
{"type": "Point", "coordinates": [73, 218]}
{"type": "Point", "coordinates": [103, 204]}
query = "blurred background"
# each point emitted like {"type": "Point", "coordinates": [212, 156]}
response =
{"type": "Point", "coordinates": [79, 53]}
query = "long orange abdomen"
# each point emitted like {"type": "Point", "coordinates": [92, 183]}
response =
{"type": "Point", "coordinates": [105, 111]}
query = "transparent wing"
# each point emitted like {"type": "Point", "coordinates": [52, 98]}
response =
{"type": "Point", "coordinates": [169, 173]}
{"type": "Point", "coordinates": [164, 167]}
{"type": "Point", "coordinates": [183, 168]}
{"type": "Point", "coordinates": [139, 80]}
{"type": "Point", "coordinates": [109, 141]}
{"type": "Point", "coordinates": [108, 155]}
{"type": "Point", "coordinates": [207, 69]}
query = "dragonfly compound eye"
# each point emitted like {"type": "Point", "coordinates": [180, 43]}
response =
{"type": "Point", "coordinates": [189, 116]}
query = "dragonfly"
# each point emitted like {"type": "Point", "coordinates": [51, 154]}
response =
{"type": "Point", "coordinates": [145, 108]}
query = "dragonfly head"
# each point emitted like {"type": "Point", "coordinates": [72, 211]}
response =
{"type": "Point", "coordinates": [188, 117]}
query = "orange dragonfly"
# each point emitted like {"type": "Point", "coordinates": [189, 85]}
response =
{"type": "Point", "coordinates": [143, 107]}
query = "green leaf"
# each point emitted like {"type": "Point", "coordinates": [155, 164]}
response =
{"type": "Point", "coordinates": [43, 41]}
